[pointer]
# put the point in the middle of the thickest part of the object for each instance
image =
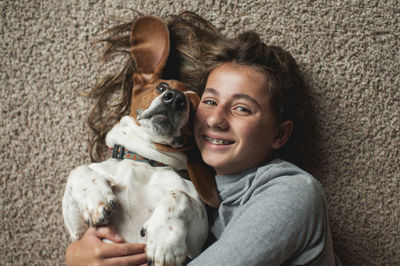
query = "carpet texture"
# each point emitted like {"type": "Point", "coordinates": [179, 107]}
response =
{"type": "Point", "coordinates": [348, 50]}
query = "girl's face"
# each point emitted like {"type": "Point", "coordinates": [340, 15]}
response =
{"type": "Point", "coordinates": [234, 125]}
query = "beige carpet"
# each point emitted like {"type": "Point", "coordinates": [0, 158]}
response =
{"type": "Point", "coordinates": [349, 51]}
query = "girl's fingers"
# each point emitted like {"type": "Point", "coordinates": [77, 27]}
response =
{"type": "Point", "coordinates": [138, 259]}
{"type": "Point", "coordinates": [91, 250]}
{"type": "Point", "coordinates": [108, 232]}
{"type": "Point", "coordinates": [117, 253]}
{"type": "Point", "coordinates": [123, 250]}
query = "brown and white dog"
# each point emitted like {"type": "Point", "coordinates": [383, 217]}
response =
{"type": "Point", "coordinates": [139, 191]}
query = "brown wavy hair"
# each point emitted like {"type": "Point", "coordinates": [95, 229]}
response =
{"type": "Point", "coordinates": [197, 48]}
{"type": "Point", "coordinates": [191, 38]}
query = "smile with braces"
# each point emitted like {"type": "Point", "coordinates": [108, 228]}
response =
{"type": "Point", "coordinates": [218, 141]}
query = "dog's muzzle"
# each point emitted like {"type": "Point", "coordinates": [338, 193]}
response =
{"type": "Point", "coordinates": [166, 116]}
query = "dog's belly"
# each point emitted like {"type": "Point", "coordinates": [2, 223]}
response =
{"type": "Point", "coordinates": [139, 189]}
{"type": "Point", "coordinates": [132, 212]}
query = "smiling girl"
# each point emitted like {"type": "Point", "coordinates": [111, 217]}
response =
{"type": "Point", "coordinates": [235, 127]}
{"type": "Point", "coordinates": [252, 110]}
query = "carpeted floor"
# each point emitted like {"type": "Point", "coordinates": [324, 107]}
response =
{"type": "Point", "coordinates": [349, 51]}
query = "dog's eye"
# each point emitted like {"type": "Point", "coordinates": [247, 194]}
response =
{"type": "Point", "coordinates": [162, 87]}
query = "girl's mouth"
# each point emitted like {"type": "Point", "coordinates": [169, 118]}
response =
{"type": "Point", "coordinates": [217, 141]}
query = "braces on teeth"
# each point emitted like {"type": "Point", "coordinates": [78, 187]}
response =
{"type": "Point", "coordinates": [217, 141]}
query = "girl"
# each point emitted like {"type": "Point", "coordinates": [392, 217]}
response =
{"type": "Point", "coordinates": [251, 115]}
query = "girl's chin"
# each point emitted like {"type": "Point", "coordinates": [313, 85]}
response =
{"type": "Point", "coordinates": [215, 163]}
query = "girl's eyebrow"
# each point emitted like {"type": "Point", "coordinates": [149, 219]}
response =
{"type": "Point", "coordinates": [235, 96]}
{"type": "Point", "coordinates": [246, 97]}
{"type": "Point", "coordinates": [211, 90]}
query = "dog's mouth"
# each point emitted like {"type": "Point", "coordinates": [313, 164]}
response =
{"type": "Point", "coordinates": [163, 122]}
{"type": "Point", "coordinates": [159, 115]}
{"type": "Point", "coordinates": [160, 119]}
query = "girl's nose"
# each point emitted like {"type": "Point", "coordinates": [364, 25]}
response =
{"type": "Point", "coordinates": [218, 119]}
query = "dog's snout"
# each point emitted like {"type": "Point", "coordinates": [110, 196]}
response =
{"type": "Point", "coordinates": [169, 97]}
{"type": "Point", "coordinates": [175, 99]}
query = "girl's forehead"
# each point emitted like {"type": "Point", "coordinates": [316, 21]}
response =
{"type": "Point", "coordinates": [239, 68]}
{"type": "Point", "coordinates": [233, 78]}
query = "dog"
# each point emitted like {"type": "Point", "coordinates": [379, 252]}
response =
{"type": "Point", "coordinates": [139, 190]}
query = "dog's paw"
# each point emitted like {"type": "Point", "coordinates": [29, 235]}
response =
{"type": "Point", "coordinates": [166, 241]}
{"type": "Point", "coordinates": [99, 205]}
{"type": "Point", "coordinates": [166, 230]}
{"type": "Point", "coordinates": [95, 199]}
{"type": "Point", "coordinates": [99, 212]}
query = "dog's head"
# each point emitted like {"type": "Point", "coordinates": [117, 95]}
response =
{"type": "Point", "coordinates": [160, 107]}
{"type": "Point", "coordinates": [163, 108]}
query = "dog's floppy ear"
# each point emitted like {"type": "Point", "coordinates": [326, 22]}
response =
{"type": "Point", "coordinates": [203, 178]}
{"type": "Point", "coordinates": [194, 99]}
{"type": "Point", "coordinates": [201, 175]}
{"type": "Point", "coordinates": [149, 46]}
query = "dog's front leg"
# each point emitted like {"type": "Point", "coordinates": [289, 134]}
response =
{"type": "Point", "coordinates": [167, 228]}
{"type": "Point", "coordinates": [88, 200]}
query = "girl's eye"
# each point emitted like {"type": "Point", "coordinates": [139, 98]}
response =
{"type": "Point", "coordinates": [162, 87]}
{"type": "Point", "coordinates": [242, 109]}
{"type": "Point", "coordinates": [209, 102]}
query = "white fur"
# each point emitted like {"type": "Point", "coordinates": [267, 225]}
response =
{"type": "Point", "coordinates": [154, 198]}
{"type": "Point", "coordinates": [135, 139]}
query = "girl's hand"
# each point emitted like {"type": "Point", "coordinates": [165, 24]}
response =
{"type": "Point", "coordinates": [91, 250]}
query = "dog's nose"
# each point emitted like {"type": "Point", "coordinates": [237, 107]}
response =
{"type": "Point", "coordinates": [175, 99]}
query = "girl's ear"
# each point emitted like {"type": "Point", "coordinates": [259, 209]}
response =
{"type": "Point", "coordinates": [283, 135]}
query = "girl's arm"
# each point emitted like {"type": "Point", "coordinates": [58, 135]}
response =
{"type": "Point", "coordinates": [91, 250]}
